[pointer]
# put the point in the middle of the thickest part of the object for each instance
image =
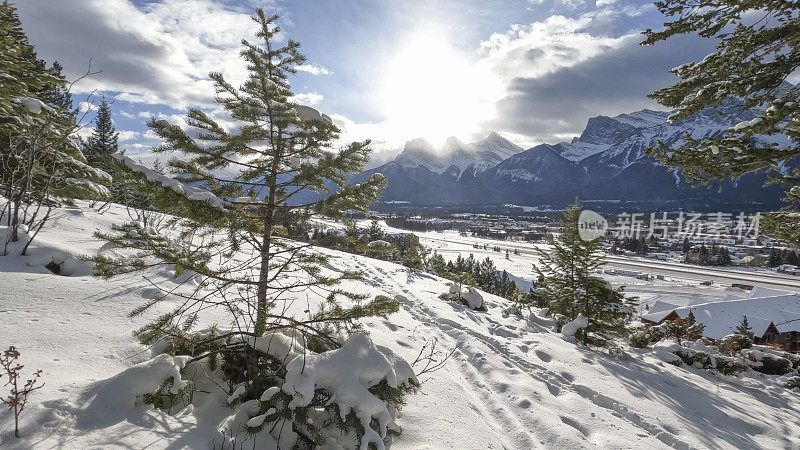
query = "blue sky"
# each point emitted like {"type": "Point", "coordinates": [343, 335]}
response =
{"type": "Point", "coordinates": [533, 70]}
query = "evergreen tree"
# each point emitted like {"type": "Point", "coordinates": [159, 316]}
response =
{"type": "Point", "coordinates": [41, 164]}
{"type": "Point", "coordinates": [705, 256]}
{"type": "Point", "coordinates": [724, 257]}
{"type": "Point", "coordinates": [774, 259]}
{"type": "Point", "coordinates": [275, 151]}
{"type": "Point", "coordinates": [375, 231]}
{"type": "Point", "coordinates": [437, 264]}
{"type": "Point", "coordinates": [58, 95]}
{"type": "Point", "coordinates": [642, 248]}
{"type": "Point", "coordinates": [568, 284]}
{"type": "Point", "coordinates": [791, 258]}
{"type": "Point", "coordinates": [103, 141]}
{"type": "Point", "coordinates": [745, 329]}
{"type": "Point", "coordinates": [410, 252]}
{"type": "Point", "coordinates": [752, 60]}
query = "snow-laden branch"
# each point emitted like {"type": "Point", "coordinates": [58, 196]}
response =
{"type": "Point", "coordinates": [191, 192]}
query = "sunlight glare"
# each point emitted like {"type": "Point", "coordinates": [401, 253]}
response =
{"type": "Point", "coordinates": [433, 92]}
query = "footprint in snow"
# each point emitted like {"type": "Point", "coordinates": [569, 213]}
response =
{"type": "Point", "coordinates": [571, 422]}
{"type": "Point", "coordinates": [544, 356]}
{"type": "Point", "coordinates": [391, 326]}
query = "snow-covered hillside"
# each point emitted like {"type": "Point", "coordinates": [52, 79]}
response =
{"type": "Point", "coordinates": [508, 384]}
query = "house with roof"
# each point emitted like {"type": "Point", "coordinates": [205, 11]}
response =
{"type": "Point", "coordinates": [773, 315]}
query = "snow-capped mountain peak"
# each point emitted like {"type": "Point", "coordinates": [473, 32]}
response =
{"type": "Point", "coordinates": [608, 161]}
{"type": "Point", "coordinates": [476, 156]}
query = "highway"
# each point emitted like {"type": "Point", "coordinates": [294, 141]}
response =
{"type": "Point", "coordinates": [527, 253]}
{"type": "Point", "coordinates": [668, 269]}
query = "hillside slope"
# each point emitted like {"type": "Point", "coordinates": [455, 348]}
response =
{"type": "Point", "coordinates": [508, 384]}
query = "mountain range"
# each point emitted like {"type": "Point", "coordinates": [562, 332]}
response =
{"type": "Point", "coordinates": [605, 163]}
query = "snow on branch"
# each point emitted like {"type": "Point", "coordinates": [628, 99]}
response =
{"type": "Point", "coordinates": [190, 192]}
{"type": "Point", "coordinates": [348, 373]}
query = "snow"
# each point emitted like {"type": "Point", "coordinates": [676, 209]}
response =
{"type": "Point", "coordinates": [747, 124]}
{"type": "Point", "coordinates": [721, 316]}
{"type": "Point", "coordinates": [33, 105]}
{"type": "Point", "coordinates": [269, 393]}
{"type": "Point", "coordinates": [510, 383]}
{"type": "Point", "coordinates": [123, 392]}
{"type": "Point", "coordinates": [475, 157]}
{"type": "Point", "coordinates": [277, 344]}
{"type": "Point", "coordinates": [759, 292]}
{"type": "Point", "coordinates": [474, 298]}
{"type": "Point", "coordinates": [257, 421]}
{"type": "Point", "coordinates": [348, 373]}
{"type": "Point", "coordinates": [570, 328]}
{"type": "Point", "coordinates": [660, 306]}
{"type": "Point", "coordinates": [236, 395]}
{"type": "Point", "coordinates": [191, 192]}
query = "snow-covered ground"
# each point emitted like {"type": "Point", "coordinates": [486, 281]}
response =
{"type": "Point", "coordinates": [676, 290]}
{"type": "Point", "coordinates": [508, 384]}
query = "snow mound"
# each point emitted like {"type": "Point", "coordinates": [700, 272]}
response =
{"type": "Point", "coordinates": [474, 298]}
{"type": "Point", "coordinates": [572, 327]}
{"type": "Point", "coordinates": [278, 345]}
{"type": "Point", "coordinates": [120, 397]}
{"type": "Point", "coordinates": [348, 373]}
{"type": "Point", "coordinates": [40, 253]}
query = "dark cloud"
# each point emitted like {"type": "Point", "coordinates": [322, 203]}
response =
{"type": "Point", "coordinates": [159, 54]}
{"type": "Point", "coordinates": [558, 104]}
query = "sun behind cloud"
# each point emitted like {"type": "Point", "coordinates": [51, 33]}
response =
{"type": "Point", "coordinates": [432, 91]}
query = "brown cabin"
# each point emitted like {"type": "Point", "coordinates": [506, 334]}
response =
{"type": "Point", "coordinates": [788, 340]}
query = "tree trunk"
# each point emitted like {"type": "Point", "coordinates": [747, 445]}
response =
{"type": "Point", "coordinates": [261, 307]}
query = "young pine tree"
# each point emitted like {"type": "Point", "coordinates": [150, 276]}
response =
{"type": "Point", "coordinates": [568, 285]}
{"type": "Point", "coordinates": [103, 142]}
{"type": "Point", "coordinates": [753, 58]}
{"type": "Point", "coordinates": [375, 231]}
{"type": "Point", "coordinates": [745, 329]}
{"type": "Point", "coordinates": [240, 255]}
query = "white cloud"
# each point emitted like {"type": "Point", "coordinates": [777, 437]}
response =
{"type": "Point", "coordinates": [553, 75]}
{"type": "Point", "coordinates": [572, 4]}
{"type": "Point", "coordinates": [159, 54]}
{"type": "Point", "coordinates": [543, 47]}
{"type": "Point", "coordinates": [128, 135]}
{"type": "Point", "coordinates": [314, 69]}
{"type": "Point", "coordinates": [436, 97]}
{"type": "Point", "coordinates": [308, 98]}
{"type": "Point", "coordinates": [84, 132]}
{"type": "Point", "coordinates": [86, 107]}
